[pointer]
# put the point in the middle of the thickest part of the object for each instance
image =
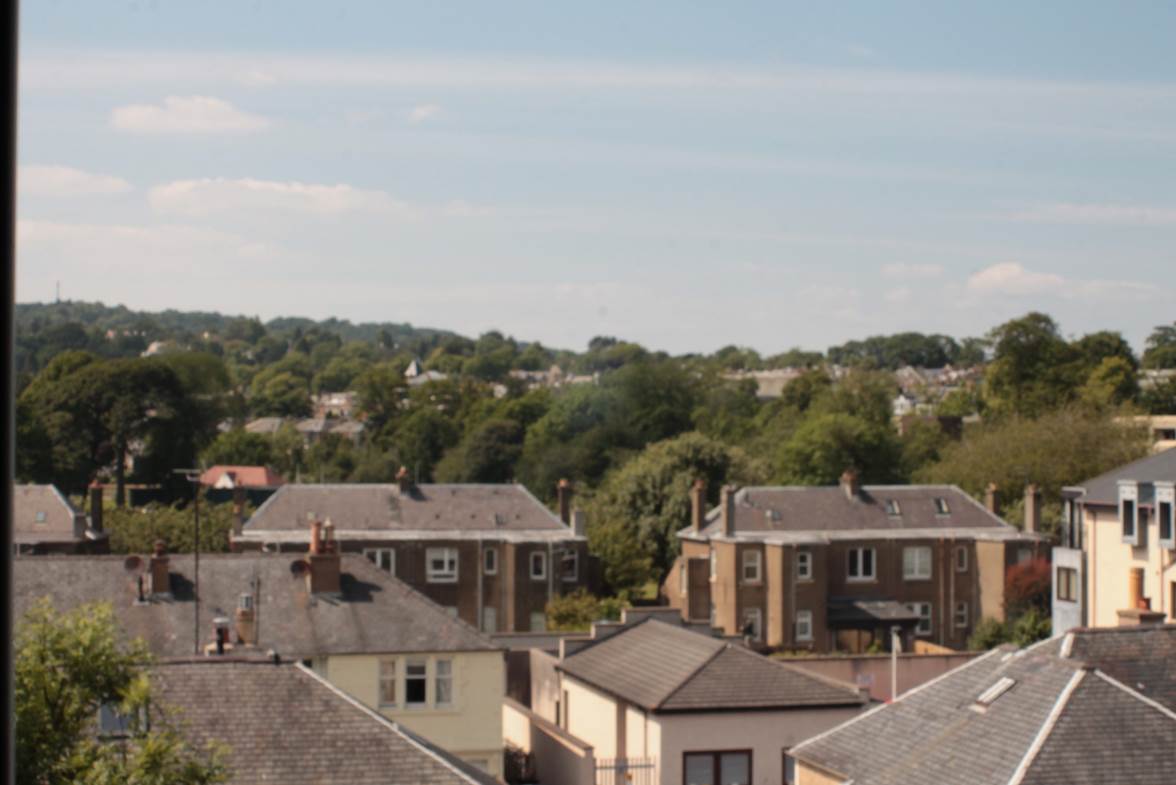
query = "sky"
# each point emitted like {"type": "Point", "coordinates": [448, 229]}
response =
{"type": "Point", "coordinates": [686, 175]}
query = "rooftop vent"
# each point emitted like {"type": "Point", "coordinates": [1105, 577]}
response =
{"type": "Point", "coordinates": [989, 696]}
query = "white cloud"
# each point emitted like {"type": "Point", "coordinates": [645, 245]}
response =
{"type": "Point", "coordinates": [903, 270]}
{"type": "Point", "coordinates": [898, 295]}
{"type": "Point", "coordinates": [1100, 214]}
{"type": "Point", "coordinates": [1010, 278]}
{"type": "Point", "coordinates": [196, 114]}
{"type": "Point", "coordinates": [39, 180]}
{"type": "Point", "coordinates": [217, 195]}
{"type": "Point", "coordinates": [419, 114]}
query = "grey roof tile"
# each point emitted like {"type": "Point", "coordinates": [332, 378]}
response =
{"type": "Point", "coordinates": [59, 520]}
{"type": "Point", "coordinates": [1104, 489]}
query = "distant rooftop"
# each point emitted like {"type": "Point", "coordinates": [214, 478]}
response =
{"type": "Point", "coordinates": [42, 514]}
{"type": "Point", "coordinates": [1104, 489]}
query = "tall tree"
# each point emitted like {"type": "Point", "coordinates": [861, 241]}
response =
{"type": "Point", "coordinates": [1161, 348]}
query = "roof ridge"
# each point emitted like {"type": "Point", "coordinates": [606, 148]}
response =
{"type": "Point", "coordinates": [1047, 727]}
{"type": "Point", "coordinates": [1135, 693]}
{"type": "Point", "coordinates": [693, 674]}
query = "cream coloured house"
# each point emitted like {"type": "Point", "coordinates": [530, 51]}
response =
{"type": "Point", "coordinates": [355, 625]}
{"type": "Point", "coordinates": [1115, 563]}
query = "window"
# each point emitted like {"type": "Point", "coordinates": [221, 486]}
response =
{"type": "Point", "coordinates": [941, 507]}
{"type": "Point", "coordinates": [538, 621]}
{"type": "Point", "coordinates": [441, 565]}
{"type": "Point", "coordinates": [1067, 584]}
{"type": "Point", "coordinates": [1165, 520]}
{"type": "Point", "coordinates": [961, 558]}
{"type": "Point", "coordinates": [489, 620]}
{"type": "Point", "coordinates": [960, 616]}
{"type": "Point", "coordinates": [924, 611]}
{"type": "Point", "coordinates": [751, 566]}
{"type": "Point", "coordinates": [916, 563]}
{"type": "Point", "coordinates": [384, 558]}
{"type": "Point", "coordinates": [569, 565]}
{"type": "Point", "coordinates": [1127, 517]}
{"type": "Point", "coordinates": [538, 565]}
{"type": "Point", "coordinates": [387, 682]}
{"type": "Point", "coordinates": [683, 572]}
{"type": "Point", "coordinates": [717, 768]}
{"type": "Point", "coordinates": [443, 687]}
{"type": "Point", "coordinates": [1024, 555]}
{"type": "Point", "coordinates": [861, 564]}
{"type": "Point", "coordinates": [113, 722]}
{"type": "Point", "coordinates": [490, 561]}
{"type": "Point", "coordinates": [753, 623]}
{"type": "Point", "coordinates": [1071, 524]}
{"type": "Point", "coordinates": [892, 507]}
{"type": "Point", "coordinates": [804, 625]}
{"type": "Point", "coordinates": [804, 566]}
{"type": "Point", "coordinates": [41, 517]}
{"type": "Point", "coordinates": [415, 678]}
{"type": "Point", "coordinates": [789, 769]}
{"type": "Point", "coordinates": [1003, 685]}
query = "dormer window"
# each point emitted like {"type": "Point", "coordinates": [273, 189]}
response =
{"type": "Point", "coordinates": [941, 507]}
{"type": "Point", "coordinates": [1166, 513]}
{"type": "Point", "coordinates": [1129, 512]}
{"type": "Point", "coordinates": [892, 507]}
{"type": "Point", "coordinates": [41, 517]}
{"type": "Point", "coordinates": [989, 696]}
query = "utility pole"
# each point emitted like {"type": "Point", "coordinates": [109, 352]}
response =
{"type": "Point", "coordinates": [193, 476]}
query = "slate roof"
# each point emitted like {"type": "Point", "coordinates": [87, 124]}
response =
{"type": "Point", "coordinates": [376, 613]}
{"type": "Point", "coordinates": [663, 667]}
{"type": "Point", "coordinates": [818, 514]}
{"type": "Point", "coordinates": [1063, 720]}
{"type": "Point", "coordinates": [1104, 489]}
{"type": "Point", "coordinates": [284, 724]}
{"type": "Point", "coordinates": [374, 511]}
{"type": "Point", "coordinates": [62, 522]}
{"type": "Point", "coordinates": [1143, 658]}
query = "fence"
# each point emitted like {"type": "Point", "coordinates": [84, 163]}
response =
{"type": "Point", "coordinates": [626, 771]}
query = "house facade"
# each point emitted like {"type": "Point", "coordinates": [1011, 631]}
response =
{"type": "Point", "coordinates": [1118, 546]}
{"type": "Point", "coordinates": [492, 555]}
{"type": "Point", "coordinates": [44, 521]}
{"type": "Point", "coordinates": [837, 568]}
{"type": "Point", "coordinates": [353, 624]}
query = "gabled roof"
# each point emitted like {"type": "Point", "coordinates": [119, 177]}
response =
{"type": "Point", "coordinates": [1104, 489]}
{"type": "Point", "coordinates": [241, 477]}
{"type": "Point", "coordinates": [285, 724]}
{"type": "Point", "coordinates": [369, 511]}
{"type": "Point", "coordinates": [375, 613]}
{"type": "Point", "coordinates": [1057, 720]}
{"type": "Point", "coordinates": [808, 513]}
{"type": "Point", "coordinates": [663, 667]}
{"type": "Point", "coordinates": [1143, 657]}
{"type": "Point", "coordinates": [40, 513]}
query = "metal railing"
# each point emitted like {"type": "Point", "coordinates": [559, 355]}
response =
{"type": "Point", "coordinates": [626, 771]}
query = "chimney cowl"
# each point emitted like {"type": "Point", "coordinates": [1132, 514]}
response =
{"type": "Point", "coordinates": [564, 492]}
{"type": "Point", "coordinates": [851, 484]}
{"type": "Point", "coordinates": [404, 481]}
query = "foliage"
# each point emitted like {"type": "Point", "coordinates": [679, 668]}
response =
{"type": "Point", "coordinates": [1159, 398]}
{"type": "Point", "coordinates": [135, 530]}
{"type": "Point", "coordinates": [988, 634]}
{"type": "Point", "coordinates": [1027, 586]}
{"type": "Point", "coordinates": [238, 447]}
{"type": "Point", "coordinates": [1160, 351]}
{"type": "Point", "coordinates": [66, 667]}
{"type": "Point", "coordinates": [895, 351]}
{"type": "Point", "coordinates": [825, 445]}
{"type": "Point", "coordinates": [487, 454]}
{"type": "Point", "coordinates": [575, 612]}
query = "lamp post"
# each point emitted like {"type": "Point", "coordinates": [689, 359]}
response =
{"type": "Point", "coordinates": [193, 476]}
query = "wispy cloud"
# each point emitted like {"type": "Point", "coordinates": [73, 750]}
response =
{"type": "Point", "coordinates": [207, 196]}
{"type": "Point", "coordinates": [65, 181]}
{"type": "Point", "coordinates": [195, 114]}
{"type": "Point", "coordinates": [419, 114]}
{"type": "Point", "coordinates": [1010, 278]}
{"type": "Point", "coordinates": [905, 270]}
{"type": "Point", "coordinates": [1100, 214]}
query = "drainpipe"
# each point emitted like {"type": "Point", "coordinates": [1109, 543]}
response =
{"type": "Point", "coordinates": [550, 572]}
{"type": "Point", "coordinates": [951, 547]}
{"type": "Point", "coordinates": [480, 557]}
{"type": "Point", "coordinates": [942, 598]}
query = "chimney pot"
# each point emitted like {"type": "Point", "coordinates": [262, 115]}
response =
{"type": "Point", "coordinates": [160, 578]}
{"type": "Point", "coordinates": [698, 506]}
{"type": "Point", "coordinates": [563, 492]}
{"type": "Point", "coordinates": [851, 484]}
{"type": "Point", "coordinates": [1032, 509]}
{"type": "Point", "coordinates": [404, 481]}
{"type": "Point", "coordinates": [323, 576]}
{"type": "Point", "coordinates": [728, 510]}
{"type": "Point", "coordinates": [992, 499]}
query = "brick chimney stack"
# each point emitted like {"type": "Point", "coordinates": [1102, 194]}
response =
{"type": "Point", "coordinates": [698, 506]}
{"type": "Point", "coordinates": [245, 620]}
{"type": "Point", "coordinates": [727, 503]}
{"type": "Point", "coordinates": [160, 577]}
{"type": "Point", "coordinates": [1032, 509]}
{"type": "Point", "coordinates": [992, 499]}
{"type": "Point", "coordinates": [323, 576]}
{"type": "Point", "coordinates": [851, 484]}
{"type": "Point", "coordinates": [96, 506]}
{"type": "Point", "coordinates": [404, 481]}
{"type": "Point", "coordinates": [563, 492]}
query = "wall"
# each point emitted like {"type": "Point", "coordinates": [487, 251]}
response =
{"type": "Point", "coordinates": [872, 671]}
{"type": "Point", "coordinates": [471, 728]}
{"type": "Point", "coordinates": [544, 684]}
{"type": "Point", "coordinates": [807, 774]}
{"type": "Point", "coordinates": [592, 716]}
{"type": "Point", "coordinates": [1065, 614]}
{"type": "Point", "coordinates": [560, 758]}
{"type": "Point", "coordinates": [766, 733]}
{"type": "Point", "coordinates": [1111, 560]}
{"type": "Point", "coordinates": [990, 558]}
{"type": "Point", "coordinates": [636, 733]}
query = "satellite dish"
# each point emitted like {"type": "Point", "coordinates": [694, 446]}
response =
{"type": "Point", "coordinates": [299, 568]}
{"type": "Point", "coordinates": [133, 564]}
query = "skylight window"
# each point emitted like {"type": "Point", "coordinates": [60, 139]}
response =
{"type": "Point", "coordinates": [941, 507]}
{"type": "Point", "coordinates": [892, 507]}
{"type": "Point", "coordinates": [989, 696]}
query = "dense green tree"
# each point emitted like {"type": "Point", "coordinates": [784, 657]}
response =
{"type": "Point", "coordinates": [68, 666]}
{"type": "Point", "coordinates": [825, 445]}
{"type": "Point", "coordinates": [920, 445]}
{"type": "Point", "coordinates": [804, 390]}
{"type": "Point", "coordinates": [576, 611]}
{"type": "Point", "coordinates": [895, 351]}
{"type": "Point", "coordinates": [238, 447]}
{"type": "Point", "coordinates": [380, 391]}
{"type": "Point", "coordinates": [1158, 398]}
{"type": "Point", "coordinates": [135, 530]}
{"type": "Point", "coordinates": [279, 394]}
{"type": "Point", "coordinates": [794, 358]}
{"type": "Point", "coordinates": [1112, 383]}
{"type": "Point", "coordinates": [421, 440]}
{"type": "Point", "coordinates": [1160, 351]}
{"type": "Point", "coordinates": [727, 410]}
{"type": "Point", "coordinates": [486, 454]}
{"type": "Point", "coordinates": [1033, 369]}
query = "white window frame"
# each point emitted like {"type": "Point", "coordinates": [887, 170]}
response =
{"type": "Point", "coordinates": [912, 568]}
{"type": "Point", "coordinates": [960, 616]}
{"type": "Point", "coordinates": [1070, 573]}
{"type": "Point", "coordinates": [804, 565]}
{"type": "Point", "coordinates": [381, 556]}
{"type": "Point", "coordinates": [446, 555]}
{"type": "Point", "coordinates": [542, 574]}
{"type": "Point", "coordinates": [756, 617]}
{"type": "Point", "coordinates": [489, 614]}
{"type": "Point", "coordinates": [1129, 521]}
{"type": "Point", "coordinates": [423, 677]}
{"type": "Point", "coordinates": [386, 676]}
{"type": "Point", "coordinates": [861, 577]}
{"type": "Point", "coordinates": [804, 626]}
{"type": "Point", "coordinates": [490, 560]}
{"type": "Point", "coordinates": [961, 558]}
{"type": "Point", "coordinates": [442, 678]}
{"type": "Point", "coordinates": [756, 562]}
{"type": "Point", "coordinates": [1165, 506]}
{"type": "Point", "coordinates": [572, 575]}
{"type": "Point", "coordinates": [926, 612]}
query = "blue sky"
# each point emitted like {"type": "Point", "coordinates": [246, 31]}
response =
{"type": "Point", "coordinates": [686, 175]}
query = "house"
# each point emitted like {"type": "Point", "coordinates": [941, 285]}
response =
{"type": "Point", "coordinates": [230, 477]}
{"type": "Point", "coordinates": [836, 568]}
{"type": "Point", "coordinates": [266, 426]}
{"type": "Point", "coordinates": [282, 722]}
{"type": "Point", "coordinates": [44, 521]}
{"type": "Point", "coordinates": [1161, 429]}
{"type": "Point", "coordinates": [492, 554]}
{"type": "Point", "coordinates": [335, 404]}
{"type": "Point", "coordinates": [1096, 706]}
{"type": "Point", "coordinates": [355, 625]}
{"type": "Point", "coordinates": [662, 703]}
{"type": "Point", "coordinates": [1117, 547]}
{"type": "Point", "coordinates": [416, 375]}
